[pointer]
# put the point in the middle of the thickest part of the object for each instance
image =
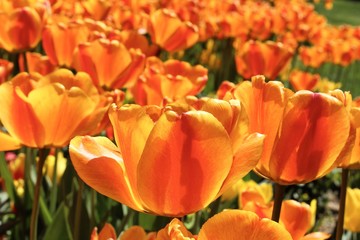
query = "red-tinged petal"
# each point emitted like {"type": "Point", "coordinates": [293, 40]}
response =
{"type": "Point", "coordinates": [99, 164]}
{"type": "Point", "coordinates": [265, 104]}
{"type": "Point", "coordinates": [107, 232]}
{"type": "Point", "coordinates": [241, 225]}
{"type": "Point", "coordinates": [133, 233]}
{"type": "Point", "coordinates": [245, 159]}
{"type": "Point", "coordinates": [301, 154]}
{"type": "Point", "coordinates": [191, 154]}
{"type": "Point", "coordinates": [184, 37]}
{"type": "Point", "coordinates": [25, 126]}
{"type": "Point", "coordinates": [316, 236]}
{"type": "Point", "coordinates": [132, 125]}
{"type": "Point", "coordinates": [296, 218]}
{"type": "Point", "coordinates": [8, 143]}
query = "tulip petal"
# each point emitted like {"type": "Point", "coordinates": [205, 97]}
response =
{"type": "Point", "coordinates": [314, 131]}
{"type": "Point", "coordinates": [25, 126]}
{"type": "Point", "coordinates": [245, 159]}
{"type": "Point", "coordinates": [352, 208]}
{"type": "Point", "coordinates": [316, 236]}
{"type": "Point", "coordinates": [100, 165]}
{"type": "Point", "coordinates": [8, 143]}
{"type": "Point", "coordinates": [191, 155]}
{"type": "Point", "coordinates": [132, 125]}
{"type": "Point", "coordinates": [292, 210]}
{"type": "Point", "coordinates": [132, 233]}
{"type": "Point", "coordinates": [241, 225]}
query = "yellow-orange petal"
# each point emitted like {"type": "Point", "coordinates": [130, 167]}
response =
{"type": "Point", "coordinates": [8, 143]}
{"type": "Point", "coordinates": [132, 233]}
{"type": "Point", "coordinates": [175, 230]}
{"type": "Point", "coordinates": [107, 232]}
{"type": "Point", "coordinates": [296, 218]}
{"type": "Point", "coordinates": [246, 158]}
{"type": "Point", "coordinates": [191, 152]}
{"type": "Point", "coordinates": [99, 164]}
{"type": "Point", "coordinates": [60, 111]}
{"type": "Point", "coordinates": [132, 125]}
{"type": "Point", "coordinates": [352, 208]}
{"type": "Point", "coordinates": [301, 154]}
{"type": "Point", "coordinates": [241, 225]}
{"type": "Point", "coordinates": [25, 126]}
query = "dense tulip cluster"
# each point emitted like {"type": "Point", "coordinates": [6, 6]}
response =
{"type": "Point", "coordinates": [124, 114]}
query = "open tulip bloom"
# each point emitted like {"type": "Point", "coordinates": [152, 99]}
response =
{"type": "Point", "coordinates": [169, 161]}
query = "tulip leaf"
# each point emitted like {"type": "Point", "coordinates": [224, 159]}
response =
{"type": "Point", "coordinates": [59, 228]}
{"type": "Point", "coordinates": [6, 175]}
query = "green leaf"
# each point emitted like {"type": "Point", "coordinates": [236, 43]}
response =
{"type": "Point", "coordinates": [59, 228]}
{"type": "Point", "coordinates": [6, 175]}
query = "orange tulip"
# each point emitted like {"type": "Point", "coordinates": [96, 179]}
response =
{"type": "Point", "coordinates": [254, 58]}
{"type": "Point", "coordinates": [195, 152]}
{"type": "Point", "coordinates": [46, 103]}
{"type": "Point", "coordinates": [97, 9]}
{"type": "Point", "coordinates": [21, 29]}
{"type": "Point", "coordinates": [6, 68]}
{"type": "Point", "coordinates": [303, 80]}
{"type": "Point", "coordinates": [169, 80]}
{"type": "Point", "coordinates": [60, 39]}
{"type": "Point", "coordinates": [312, 56]}
{"type": "Point", "coordinates": [230, 224]}
{"type": "Point", "coordinates": [36, 63]}
{"type": "Point", "coordinates": [295, 126]}
{"type": "Point", "coordinates": [138, 233]}
{"type": "Point", "coordinates": [170, 33]}
{"type": "Point", "coordinates": [110, 63]}
{"type": "Point", "coordinates": [107, 232]}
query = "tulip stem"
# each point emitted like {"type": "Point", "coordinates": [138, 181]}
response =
{"type": "Point", "coordinates": [78, 209]}
{"type": "Point", "coordinates": [53, 194]}
{"type": "Point", "coordinates": [340, 223]}
{"type": "Point", "coordinates": [126, 219]}
{"type": "Point", "coordinates": [26, 66]}
{"type": "Point", "coordinates": [278, 198]}
{"type": "Point", "coordinates": [43, 152]}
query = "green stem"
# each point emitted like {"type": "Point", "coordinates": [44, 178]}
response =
{"type": "Point", "coordinates": [340, 223]}
{"type": "Point", "coordinates": [215, 206]}
{"type": "Point", "coordinates": [54, 189]}
{"type": "Point", "coordinates": [35, 209]}
{"type": "Point", "coordinates": [126, 219]}
{"type": "Point", "coordinates": [78, 210]}
{"type": "Point", "coordinates": [92, 210]}
{"type": "Point", "coordinates": [278, 198]}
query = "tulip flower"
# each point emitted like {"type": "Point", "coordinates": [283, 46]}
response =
{"type": "Point", "coordinates": [169, 80]}
{"type": "Point", "coordinates": [36, 63]}
{"type": "Point", "coordinates": [303, 80]}
{"type": "Point", "coordinates": [230, 224]}
{"type": "Point", "coordinates": [60, 39]}
{"type": "Point", "coordinates": [197, 149]}
{"type": "Point", "coordinates": [170, 33]}
{"type": "Point", "coordinates": [352, 207]}
{"type": "Point", "coordinates": [21, 29]}
{"type": "Point", "coordinates": [296, 126]}
{"type": "Point", "coordinates": [6, 68]}
{"type": "Point", "coordinates": [54, 108]}
{"type": "Point", "coordinates": [138, 233]}
{"type": "Point", "coordinates": [109, 63]}
{"type": "Point", "coordinates": [107, 232]}
{"type": "Point", "coordinates": [254, 58]}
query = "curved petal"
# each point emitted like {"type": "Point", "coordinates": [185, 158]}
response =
{"type": "Point", "coordinates": [25, 126]}
{"type": "Point", "coordinates": [352, 208]}
{"type": "Point", "coordinates": [316, 236]}
{"type": "Point", "coordinates": [191, 155]}
{"type": "Point", "coordinates": [99, 164]}
{"type": "Point", "coordinates": [301, 153]}
{"type": "Point", "coordinates": [241, 225]}
{"type": "Point", "coordinates": [132, 233]}
{"type": "Point", "coordinates": [173, 231]}
{"type": "Point", "coordinates": [245, 159]}
{"type": "Point", "coordinates": [296, 218]}
{"type": "Point", "coordinates": [132, 125]}
{"type": "Point", "coordinates": [8, 143]}
{"type": "Point", "coordinates": [107, 232]}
